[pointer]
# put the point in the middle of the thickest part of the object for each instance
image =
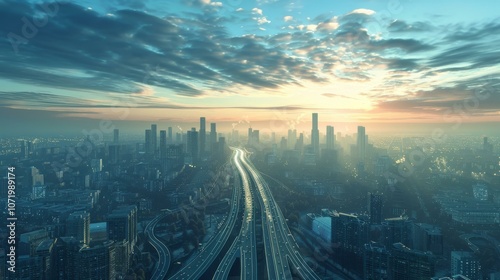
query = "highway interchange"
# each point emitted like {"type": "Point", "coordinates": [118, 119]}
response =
{"type": "Point", "coordinates": [281, 250]}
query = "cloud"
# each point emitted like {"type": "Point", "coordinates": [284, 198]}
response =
{"type": "Point", "coordinates": [475, 32]}
{"type": "Point", "coordinates": [256, 11]}
{"type": "Point", "coordinates": [362, 11]}
{"type": "Point", "coordinates": [400, 26]}
{"type": "Point", "coordinates": [466, 57]}
{"type": "Point", "coordinates": [408, 45]}
{"type": "Point", "coordinates": [477, 97]}
{"type": "Point", "coordinates": [333, 95]}
{"type": "Point", "coordinates": [287, 18]}
{"type": "Point", "coordinates": [329, 25]}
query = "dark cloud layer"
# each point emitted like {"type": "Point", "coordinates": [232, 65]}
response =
{"type": "Point", "coordinates": [118, 52]}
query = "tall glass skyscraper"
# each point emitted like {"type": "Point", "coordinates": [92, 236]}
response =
{"type": "Point", "coordinates": [315, 134]}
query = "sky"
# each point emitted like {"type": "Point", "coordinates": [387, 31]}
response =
{"type": "Point", "coordinates": [68, 64]}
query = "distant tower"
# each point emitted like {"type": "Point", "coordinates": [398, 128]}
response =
{"type": "Point", "coordinates": [315, 134]}
{"type": "Point", "coordinates": [361, 144]}
{"type": "Point", "coordinates": [330, 137]}
{"type": "Point", "coordinates": [250, 136]}
{"type": "Point", "coordinates": [24, 149]}
{"type": "Point", "coordinates": [375, 208]}
{"type": "Point", "coordinates": [153, 139]}
{"type": "Point", "coordinates": [203, 135]}
{"type": "Point", "coordinates": [116, 134]}
{"type": "Point", "coordinates": [292, 138]}
{"type": "Point", "coordinates": [170, 138]}
{"type": "Point", "coordinates": [192, 144]}
{"type": "Point", "coordinates": [148, 142]}
{"type": "Point", "coordinates": [163, 144]}
{"type": "Point", "coordinates": [213, 136]}
{"type": "Point", "coordinates": [300, 143]}
{"type": "Point", "coordinates": [255, 137]}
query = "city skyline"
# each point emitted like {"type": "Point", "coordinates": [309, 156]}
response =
{"type": "Point", "coordinates": [250, 139]}
{"type": "Point", "coordinates": [236, 62]}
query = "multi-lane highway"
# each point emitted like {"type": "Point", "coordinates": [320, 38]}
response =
{"type": "Point", "coordinates": [210, 250]}
{"type": "Point", "coordinates": [281, 250]}
{"type": "Point", "coordinates": [280, 247]}
{"type": "Point", "coordinates": [163, 264]}
{"type": "Point", "coordinates": [244, 245]}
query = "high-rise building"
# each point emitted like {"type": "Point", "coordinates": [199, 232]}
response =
{"type": "Point", "coordinates": [213, 136]}
{"type": "Point", "coordinates": [24, 149]}
{"type": "Point", "coordinates": [361, 144]}
{"type": "Point", "coordinates": [330, 138]}
{"type": "Point", "coordinates": [299, 145]}
{"type": "Point", "coordinates": [315, 134]}
{"type": "Point", "coordinates": [292, 138]}
{"type": "Point", "coordinates": [163, 144]}
{"type": "Point", "coordinates": [397, 230]}
{"type": "Point", "coordinates": [202, 136]}
{"type": "Point", "coordinates": [192, 145]}
{"type": "Point", "coordinates": [221, 147]}
{"type": "Point", "coordinates": [116, 134]}
{"type": "Point", "coordinates": [122, 225]}
{"type": "Point", "coordinates": [114, 153]}
{"type": "Point", "coordinates": [78, 226]}
{"type": "Point", "coordinates": [96, 262]}
{"type": "Point", "coordinates": [283, 143]}
{"type": "Point", "coordinates": [375, 202]}
{"type": "Point", "coordinates": [487, 147]}
{"type": "Point", "coordinates": [375, 261]}
{"type": "Point", "coordinates": [465, 263]}
{"type": "Point", "coordinates": [65, 256]}
{"type": "Point", "coordinates": [148, 142]}
{"type": "Point", "coordinates": [250, 136]}
{"type": "Point", "coordinates": [175, 156]}
{"type": "Point", "coordinates": [408, 264]}
{"type": "Point", "coordinates": [170, 138]}
{"type": "Point", "coordinates": [255, 137]}
{"type": "Point", "coordinates": [154, 139]}
{"type": "Point", "coordinates": [427, 238]}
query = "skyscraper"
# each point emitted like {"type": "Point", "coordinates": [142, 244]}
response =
{"type": "Point", "coordinates": [116, 133]}
{"type": "Point", "coordinates": [170, 138]}
{"type": "Point", "coordinates": [203, 136]}
{"type": "Point", "coordinates": [315, 134]}
{"type": "Point", "coordinates": [78, 226]}
{"type": "Point", "coordinates": [153, 139]}
{"type": "Point", "coordinates": [330, 137]}
{"type": "Point", "coordinates": [408, 264]}
{"type": "Point", "coordinates": [361, 144]}
{"type": "Point", "coordinates": [213, 136]}
{"type": "Point", "coordinates": [292, 138]}
{"type": "Point", "coordinates": [163, 144]}
{"type": "Point", "coordinates": [250, 136]}
{"type": "Point", "coordinates": [255, 137]}
{"type": "Point", "coordinates": [465, 263]}
{"type": "Point", "coordinates": [148, 142]}
{"type": "Point", "coordinates": [192, 144]}
{"type": "Point", "coordinates": [375, 261]}
{"type": "Point", "coordinates": [122, 225]}
{"type": "Point", "coordinates": [300, 143]}
{"type": "Point", "coordinates": [375, 207]}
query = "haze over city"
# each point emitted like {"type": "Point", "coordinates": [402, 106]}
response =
{"type": "Point", "coordinates": [250, 139]}
{"type": "Point", "coordinates": [355, 62]}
